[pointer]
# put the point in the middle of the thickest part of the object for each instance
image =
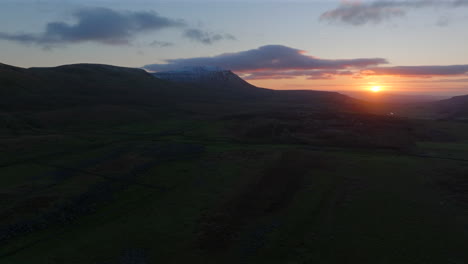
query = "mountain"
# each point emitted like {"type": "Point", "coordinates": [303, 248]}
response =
{"type": "Point", "coordinates": [455, 108]}
{"type": "Point", "coordinates": [78, 93]}
{"type": "Point", "coordinates": [81, 95]}
{"type": "Point", "coordinates": [197, 74]}
{"type": "Point", "coordinates": [104, 164]}
{"type": "Point", "coordinates": [78, 84]}
{"type": "Point", "coordinates": [214, 81]}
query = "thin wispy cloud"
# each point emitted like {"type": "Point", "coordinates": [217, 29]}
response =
{"type": "Point", "coordinates": [205, 37]}
{"type": "Point", "coordinates": [418, 71]}
{"type": "Point", "coordinates": [268, 58]}
{"type": "Point", "coordinates": [359, 13]}
{"type": "Point", "coordinates": [161, 44]}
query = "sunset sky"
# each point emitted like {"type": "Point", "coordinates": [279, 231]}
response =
{"type": "Point", "coordinates": [403, 46]}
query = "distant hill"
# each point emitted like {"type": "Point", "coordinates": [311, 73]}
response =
{"type": "Point", "coordinates": [331, 101]}
{"type": "Point", "coordinates": [197, 74]}
{"type": "Point", "coordinates": [453, 108]}
{"type": "Point", "coordinates": [91, 84]}
{"type": "Point", "coordinates": [83, 93]}
{"type": "Point", "coordinates": [214, 81]}
{"type": "Point", "coordinates": [77, 85]}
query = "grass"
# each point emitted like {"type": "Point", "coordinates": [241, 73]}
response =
{"type": "Point", "coordinates": [353, 205]}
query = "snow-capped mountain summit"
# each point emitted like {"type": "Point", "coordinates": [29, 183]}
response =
{"type": "Point", "coordinates": [213, 80]}
{"type": "Point", "coordinates": [196, 74]}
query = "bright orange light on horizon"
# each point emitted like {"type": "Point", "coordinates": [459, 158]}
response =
{"type": "Point", "coordinates": [343, 84]}
{"type": "Point", "coordinates": [376, 89]}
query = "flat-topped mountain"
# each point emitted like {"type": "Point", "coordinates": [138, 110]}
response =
{"type": "Point", "coordinates": [197, 74]}
{"type": "Point", "coordinates": [215, 80]}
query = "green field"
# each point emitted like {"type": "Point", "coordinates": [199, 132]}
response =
{"type": "Point", "coordinates": [201, 190]}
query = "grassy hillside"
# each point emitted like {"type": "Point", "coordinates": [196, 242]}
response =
{"type": "Point", "coordinates": [455, 109]}
{"type": "Point", "coordinates": [78, 85]}
{"type": "Point", "coordinates": [287, 178]}
{"type": "Point", "coordinates": [148, 192]}
{"type": "Point", "coordinates": [88, 94]}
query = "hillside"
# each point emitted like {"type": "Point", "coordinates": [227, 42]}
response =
{"type": "Point", "coordinates": [110, 165]}
{"type": "Point", "coordinates": [88, 84]}
{"type": "Point", "coordinates": [220, 83]}
{"type": "Point", "coordinates": [79, 84]}
{"type": "Point", "coordinates": [214, 82]}
{"type": "Point", "coordinates": [454, 108]}
{"type": "Point", "coordinates": [102, 93]}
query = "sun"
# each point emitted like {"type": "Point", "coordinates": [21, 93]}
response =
{"type": "Point", "coordinates": [376, 89]}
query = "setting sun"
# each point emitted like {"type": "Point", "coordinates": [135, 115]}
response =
{"type": "Point", "coordinates": [376, 89]}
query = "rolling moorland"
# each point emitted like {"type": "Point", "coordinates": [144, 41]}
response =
{"type": "Point", "coordinates": [104, 164]}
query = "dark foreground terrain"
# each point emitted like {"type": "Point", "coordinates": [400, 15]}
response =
{"type": "Point", "coordinates": [91, 172]}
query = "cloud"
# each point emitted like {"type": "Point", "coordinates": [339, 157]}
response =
{"type": "Point", "coordinates": [359, 13]}
{"type": "Point", "coordinates": [309, 74]}
{"type": "Point", "coordinates": [448, 79]}
{"type": "Point", "coordinates": [100, 25]}
{"type": "Point", "coordinates": [204, 37]}
{"type": "Point", "coordinates": [418, 71]}
{"type": "Point", "coordinates": [161, 44]}
{"type": "Point", "coordinates": [282, 62]}
{"type": "Point", "coordinates": [19, 37]}
{"type": "Point", "coordinates": [267, 58]}
{"type": "Point", "coordinates": [106, 26]}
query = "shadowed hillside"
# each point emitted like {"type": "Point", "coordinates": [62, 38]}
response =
{"type": "Point", "coordinates": [81, 92]}
{"type": "Point", "coordinates": [80, 84]}
{"type": "Point", "coordinates": [111, 165]}
{"type": "Point", "coordinates": [454, 108]}
{"type": "Point", "coordinates": [212, 82]}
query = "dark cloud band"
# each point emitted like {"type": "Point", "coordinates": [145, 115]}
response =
{"type": "Point", "coordinates": [101, 25]}
{"type": "Point", "coordinates": [107, 26]}
{"type": "Point", "coordinates": [281, 62]}
{"type": "Point", "coordinates": [205, 37]}
{"type": "Point", "coordinates": [270, 57]}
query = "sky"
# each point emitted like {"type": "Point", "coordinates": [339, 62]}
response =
{"type": "Point", "coordinates": [402, 46]}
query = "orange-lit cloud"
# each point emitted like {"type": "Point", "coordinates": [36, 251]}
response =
{"type": "Point", "coordinates": [267, 58]}
{"type": "Point", "coordinates": [290, 74]}
{"type": "Point", "coordinates": [281, 67]}
{"type": "Point", "coordinates": [418, 71]}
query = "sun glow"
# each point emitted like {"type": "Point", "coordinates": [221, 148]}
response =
{"type": "Point", "coordinates": [376, 89]}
